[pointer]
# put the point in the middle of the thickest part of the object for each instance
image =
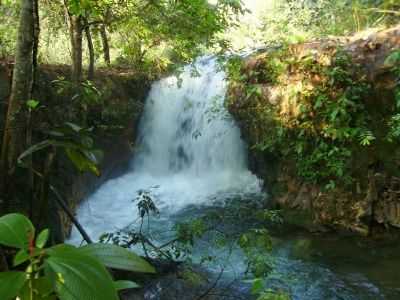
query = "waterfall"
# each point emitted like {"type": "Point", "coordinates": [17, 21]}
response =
{"type": "Point", "coordinates": [188, 147]}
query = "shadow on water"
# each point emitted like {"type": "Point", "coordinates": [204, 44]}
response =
{"type": "Point", "coordinates": [307, 266]}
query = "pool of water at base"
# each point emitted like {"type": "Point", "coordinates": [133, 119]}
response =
{"type": "Point", "coordinates": [307, 266]}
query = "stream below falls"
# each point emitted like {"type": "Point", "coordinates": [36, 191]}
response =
{"type": "Point", "coordinates": [190, 157]}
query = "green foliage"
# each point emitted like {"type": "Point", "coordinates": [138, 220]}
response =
{"type": "Point", "coordinates": [124, 284]}
{"type": "Point", "coordinates": [256, 245]}
{"type": "Point", "coordinates": [292, 21]}
{"type": "Point", "coordinates": [393, 61]}
{"type": "Point", "coordinates": [258, 289]}
{"type": "Point", "coordinates": [62, 271]}
{"type": "Point", "coordinates": [32, 104]}
{"type": "Point", "coordinates": [152, 36]}
{"type": "Point", "coordinates": [273, 295]}
{"type": "Point", "coordinates": [77, 144]}
{"type": "Point", "coordinates": [86, 92]}
{"type": "Point", "coordinates": [11, 284]}
{"type": "Point", "coordinates": [330, 123]}
{"type": "Point", "coordinates": [148, 36]}
{"type": "Point", "coordinates": [15, 231]}
{"type": "Point", "coordinates": [117, 258]}
{"type": "Point", "coordinates": [217, 227]}
{"type": "Point", "coordinates": [8, 27]}
{"type": "Point", "coordinates": [188, 232]}
{"type": "Point", "coordinates": [394, 131]}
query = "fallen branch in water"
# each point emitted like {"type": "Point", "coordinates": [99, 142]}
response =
{"type": "Point", "coordinates": [65, 208]}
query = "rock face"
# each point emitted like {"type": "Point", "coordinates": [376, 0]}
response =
{"type": "Point", "coordinates": [115, 116]}
{"type": "Point", "coordinates": [269, 100]}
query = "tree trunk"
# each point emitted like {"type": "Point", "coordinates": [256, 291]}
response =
{"type": "Point", "coordinates": [76, 28]}
{"type": "Point", "coordinates": [106, 47]}
{"type": "Point", "coordinates": [91, 50]}
{"type": "Point", "coordinates": [29, 124]}
{"type": "Point", "coordinates": [15, 127]}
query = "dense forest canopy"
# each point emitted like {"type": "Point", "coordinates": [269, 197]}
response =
{"type": "Point", "coordinates": [152, 34]}
{"type": "Point", "coordinates": [156, 34]}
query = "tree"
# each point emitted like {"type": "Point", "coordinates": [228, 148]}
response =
{"type": "Point", "coordinates": [184, 27]}
{"type": "Point", "coordinates": [21, 90]}
{"type": "Point", "coordinates": [76, 27]}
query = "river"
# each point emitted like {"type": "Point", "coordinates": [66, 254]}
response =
{"type": "Point", "coordinates": [190, 157]}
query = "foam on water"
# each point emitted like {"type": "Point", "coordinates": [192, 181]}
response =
{"type": "Point", "coordinates": [188, 146]}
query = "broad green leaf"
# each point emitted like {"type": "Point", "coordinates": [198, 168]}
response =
{"type": "Point", "coordinates": [21, 257]}
{"type": "Point", "coordinates": [40, 288]}
{"type": "Point", "coordinates": [42, 238]}
{"type": "Point", "coordinates": [10, 284]}
{"type": "Point", "coordinates": [76, 276]}
{"type": "Point", "coordinates": [81, 162]}
{"type": "Point", "coordinates": [15, 231]}
{"type": "Point", "coordinates": [60, 249]}
{"type": "Point", "coordinates": [125, 284]}
{"type": "Point", "coordinates": [44, 287]}
{"type": "Point", "coordinates": [117, 257]}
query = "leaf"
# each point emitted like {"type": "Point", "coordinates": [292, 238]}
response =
{"type": "Point", "coordinates": [81, 162]}
{"type": "Point", "coordinates": [40, 288]}
{"type": "Point", "coordinates": [60, 249]}
{"type": "Point", "coordinates": [44, 287]}
{"type": "Point", "coordinates": [10, 284]}
{"type": "Point", "coordinates": [77, 276]}
{"type": "Point", "coordinates": [393, 58]}
{"type": "Point", "coordinates": [32, 104]}
{"type": "Point", "coordinates": [257, 286]}
{"type": "Point", "coordinates": [55, 133]}
{"type": "Point", "coordinates": [44, 144]}
{"type": "Point", "coordinates": [42, 238]}
{"type": "Point", "coordinates": [125, 284]}
{"type": "Point", "coordinates": [75, 128]}
{"type": "Point", "coordinates": [33, 149]}
{"type": "Point", "coordinates": [15, 231]}
{"type": "Point", "coordinates": [117, 257]}
{"type": "Point", "coordinates": [87, 141]}
{"type": "Point", "coordinates": [21, 257]}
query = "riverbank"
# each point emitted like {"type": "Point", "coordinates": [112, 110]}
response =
{"type": "Point", "coordinates": [111, 105]}
{"type": "Point", "coordinates": [319, 120]}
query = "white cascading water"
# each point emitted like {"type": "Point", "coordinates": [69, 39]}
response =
{"type": "Point", "coordinates": [188, 146]}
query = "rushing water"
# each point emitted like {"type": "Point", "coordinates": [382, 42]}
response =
{"type": "Point", "coordinates": [188, 147]}
{"type": "Point", "coordinates": [190, 154]}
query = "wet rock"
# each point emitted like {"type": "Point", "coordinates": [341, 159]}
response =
{"type": "Point", "coordinates": [186, 283]}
